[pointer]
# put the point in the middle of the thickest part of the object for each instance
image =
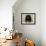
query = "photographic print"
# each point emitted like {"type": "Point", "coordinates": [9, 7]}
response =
{"type": "Point", "coordinates": [28, 18]}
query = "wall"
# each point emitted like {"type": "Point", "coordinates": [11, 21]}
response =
{"type": "Point", "coordinates": [43, 22]}
{"type": "Point", "coordinates": [34, 32]}
{"type": "Point", "coordinates": [6, 13]}
{"type": "Point", "coordinates": [29, 31]}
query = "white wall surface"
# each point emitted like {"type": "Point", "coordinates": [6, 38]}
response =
{"type": "Point", "coordinates": [43, 22]}
{"type": "Point", "coordinates": [6, 13]}
{"type": "Point", "coordinates": [34, 32]}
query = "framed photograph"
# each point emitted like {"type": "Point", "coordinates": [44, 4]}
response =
{"type": "Point", "coordinates": [28, 18]}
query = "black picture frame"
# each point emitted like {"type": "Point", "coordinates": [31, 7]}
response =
{"type": "Point", "coordinates": [28, 18]}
